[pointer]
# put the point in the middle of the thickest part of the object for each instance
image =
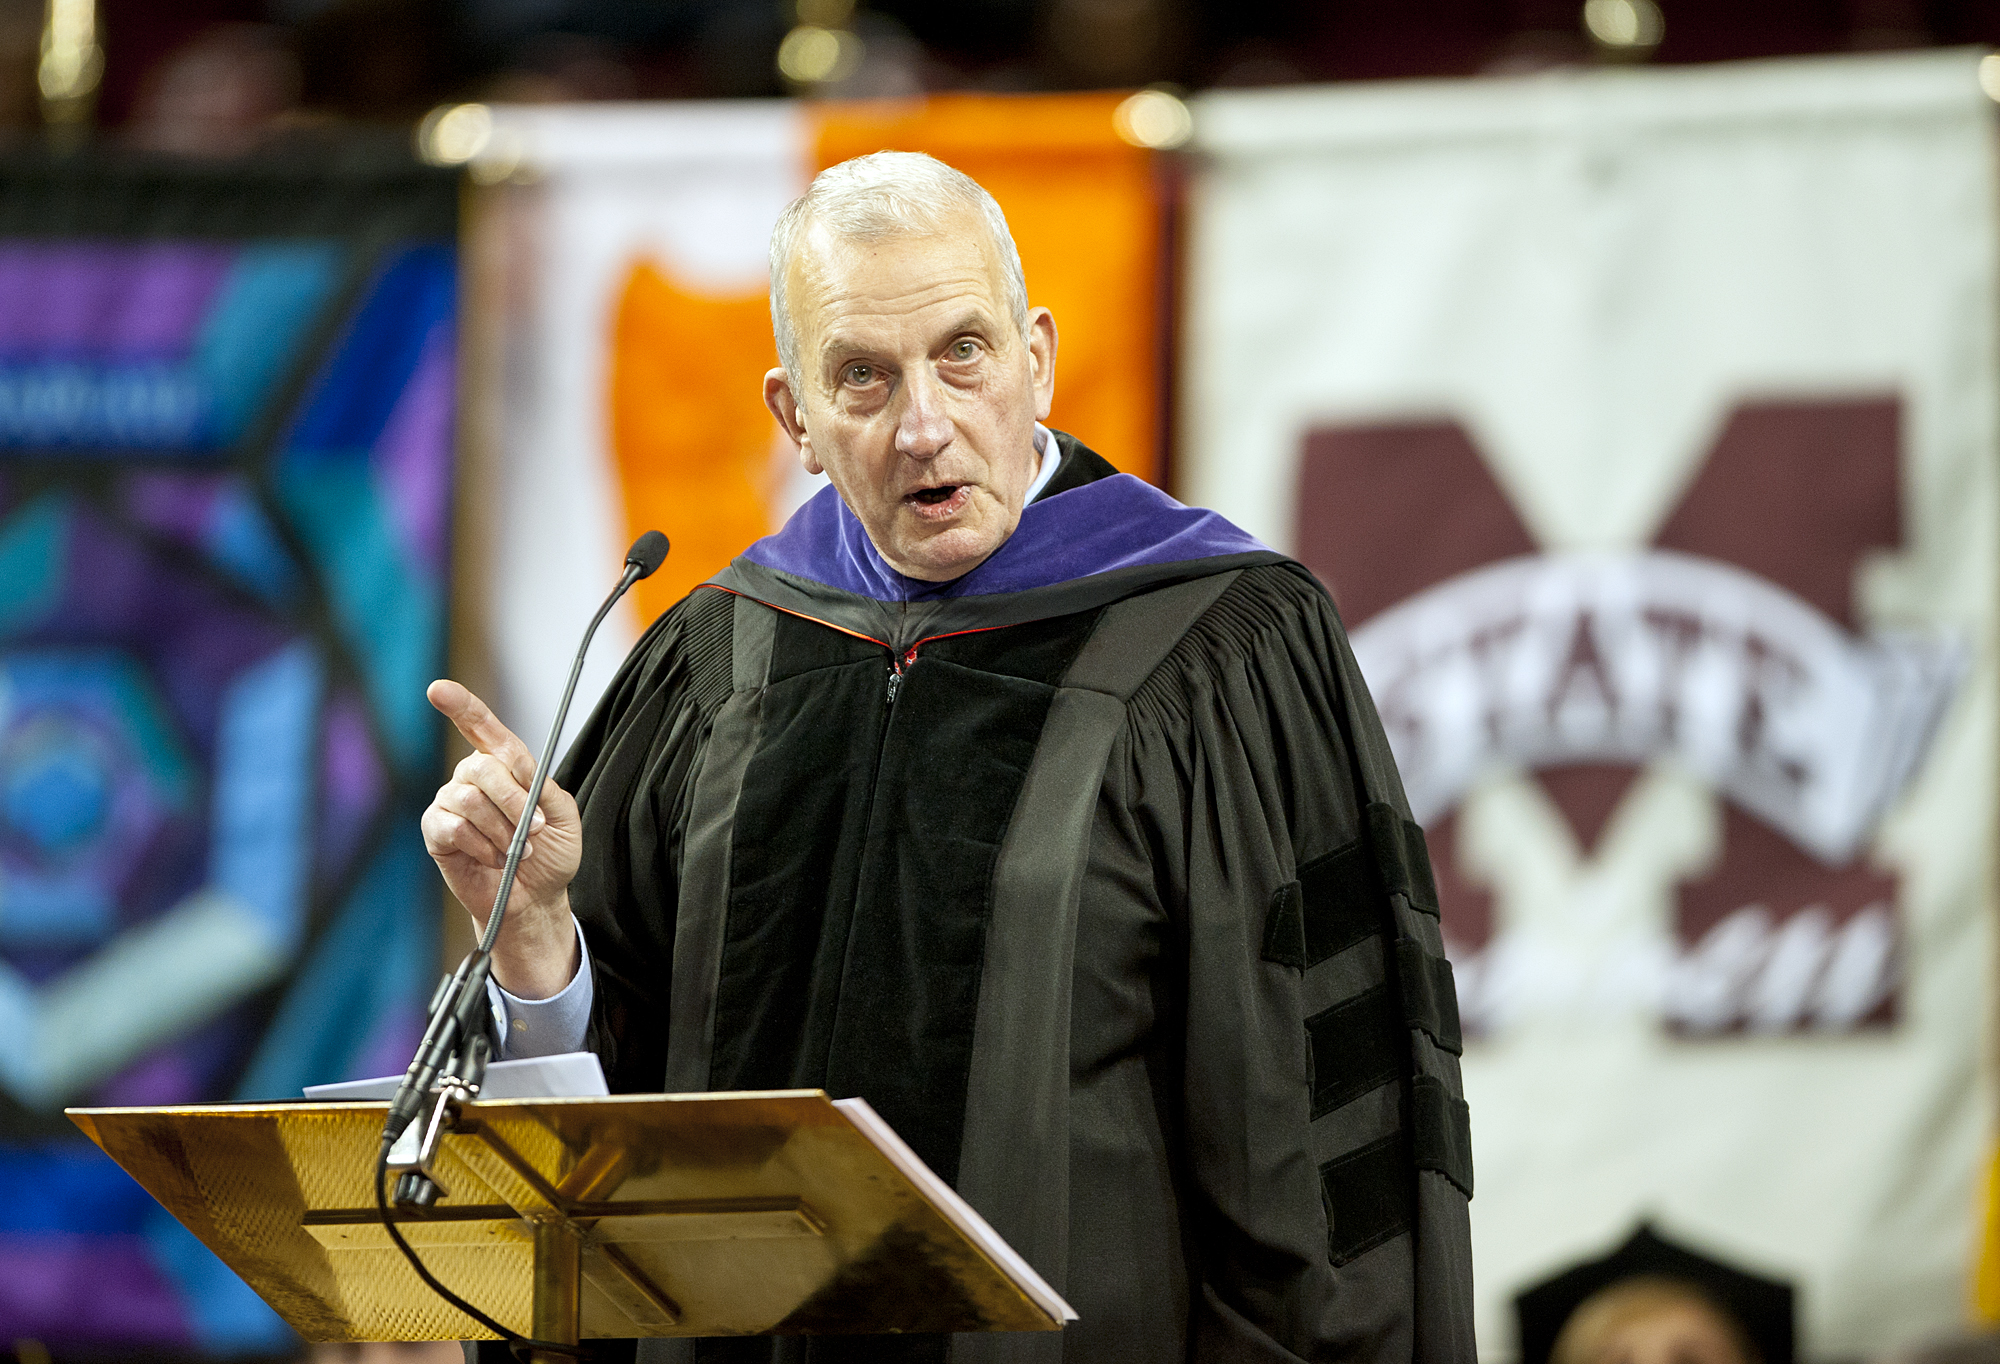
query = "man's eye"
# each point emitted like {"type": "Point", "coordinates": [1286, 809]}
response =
{"type": "Point", "coordinates": [964, 350]}
{"type": "Point", "coordinates": [860, 375]}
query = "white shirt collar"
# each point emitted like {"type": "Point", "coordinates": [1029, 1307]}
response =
{"type": "Point", "coordinates": [1051, 453]}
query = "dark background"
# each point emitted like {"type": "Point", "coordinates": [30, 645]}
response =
{"type": "Point", "coordinates": [210, 76]}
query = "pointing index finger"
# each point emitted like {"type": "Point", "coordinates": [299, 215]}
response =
{"type": "Point", "coordinates": [482, 729]}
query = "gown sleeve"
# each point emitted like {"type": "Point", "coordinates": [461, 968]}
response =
{"type": "Point", "coordinates": [1327, 1166]}
{"type": "Point", "coordinates": [632, 769]}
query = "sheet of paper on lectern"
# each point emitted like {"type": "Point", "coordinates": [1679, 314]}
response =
{"type": "Point", "coordinates": [571, 1075]}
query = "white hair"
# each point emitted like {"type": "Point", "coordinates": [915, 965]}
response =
{"type": "Point", "coordinates": [886, 194]}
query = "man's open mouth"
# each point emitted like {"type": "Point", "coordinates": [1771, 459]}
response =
{"type": "Point", "coordinates": [940, 503]}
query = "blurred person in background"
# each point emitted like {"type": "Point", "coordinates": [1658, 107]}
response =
{"type": "Point", "coordinates": [1655, 1301]}
{"type": "Point", "coordinates": [1652, 1320]}
{"type": "Point", "coordinates": [218, 95]}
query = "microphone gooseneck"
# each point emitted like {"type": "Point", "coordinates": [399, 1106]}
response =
{"type": "Point", "coordinates": [459, 1009]}
{"type": "Point", "coordinates": [648, 552]}
{"type": "Point", "coordinates": [457, 1014]}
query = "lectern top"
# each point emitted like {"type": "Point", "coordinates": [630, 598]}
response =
{"type": "Point", "coordinates": [695, 1214]}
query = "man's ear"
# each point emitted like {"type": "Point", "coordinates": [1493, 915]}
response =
{"type": "Point", "coordinates": [1042, 359]}
{"type": "Point", "coordinates": [784, 406]}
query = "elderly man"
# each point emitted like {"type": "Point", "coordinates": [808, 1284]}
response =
{"type": "Point", "coordinates": [1048, 815]}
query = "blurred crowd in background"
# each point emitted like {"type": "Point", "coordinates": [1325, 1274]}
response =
{"type": "Point", "coordinates": [216, 77]}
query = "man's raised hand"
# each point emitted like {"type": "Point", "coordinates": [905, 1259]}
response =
{"type": "Point", "coordinates": [467, 828]}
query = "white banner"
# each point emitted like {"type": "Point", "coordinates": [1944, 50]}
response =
{"type": "Point", "coordinates": [619, 334]}
{"type": "Point", "coordinates": [1643, 424]}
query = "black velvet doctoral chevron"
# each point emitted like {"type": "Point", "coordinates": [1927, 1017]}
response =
{"type": "Point", "coordinates": [1401, 857]}
{"type": "Point", "coordinates": [1441, 1129]}
{"type": "Point", "coordinates": [1369, 1198]}
{"type": "Point", "coordinates": [1357, 1046]}
{"type": "Point", "coordinates": [1336, 902]}
{"type": "Point", "coordinates": [1430, 999]}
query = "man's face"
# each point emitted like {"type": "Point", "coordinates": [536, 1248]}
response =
{"type": "Point", "coordinates": [917, 397]}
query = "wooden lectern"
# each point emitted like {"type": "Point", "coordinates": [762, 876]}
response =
{"type": "Point", "coordinates": [568, 1219]}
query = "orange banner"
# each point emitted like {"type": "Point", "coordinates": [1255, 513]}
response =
{"type": "Point", "coordinates": [693, 439]}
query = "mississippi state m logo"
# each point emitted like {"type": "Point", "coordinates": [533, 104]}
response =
{"type": "Point", "coordinates": [1649, 775]}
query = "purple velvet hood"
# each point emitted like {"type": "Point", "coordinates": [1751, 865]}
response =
{"type": "Point", "coordinates": [1114, 523]}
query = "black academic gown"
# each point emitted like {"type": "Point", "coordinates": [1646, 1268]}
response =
{"type": "Point", "coordinates": [1114, 911]}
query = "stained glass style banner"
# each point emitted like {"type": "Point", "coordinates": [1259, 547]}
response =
{"type": "Point", "coordinates": [169, 346]}
{"type": "Point", "coordinates": [226, 412]}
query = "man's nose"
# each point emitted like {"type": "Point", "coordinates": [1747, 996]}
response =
{"type": "Point", "coordinates": [924, 427]}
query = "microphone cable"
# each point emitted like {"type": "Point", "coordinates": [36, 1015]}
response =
{"type": "Point", "coordinates": [517, 1343]}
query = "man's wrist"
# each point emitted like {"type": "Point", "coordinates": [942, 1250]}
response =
{"type": "Point", "coordinates": [546, 1027]}
{"type": "Point", "coordinates": [537, 954]}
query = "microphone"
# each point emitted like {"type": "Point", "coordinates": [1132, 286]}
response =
{"type": "Point", "coordinates": [459, 1010]}
{"type": "Point", "coordinates": [648, 552]}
